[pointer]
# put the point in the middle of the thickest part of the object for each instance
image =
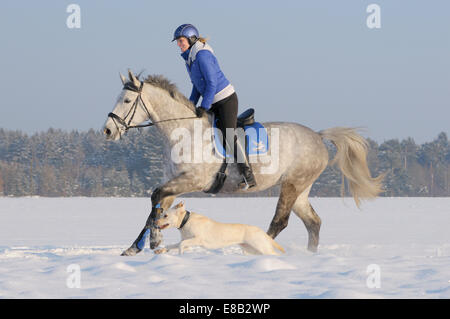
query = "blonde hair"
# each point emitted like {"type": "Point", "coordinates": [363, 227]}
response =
{"type": "Point", "coordinates": [203, 39]}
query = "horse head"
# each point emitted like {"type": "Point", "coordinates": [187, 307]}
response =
{"type": "Point", "coordinates": [130, 109]}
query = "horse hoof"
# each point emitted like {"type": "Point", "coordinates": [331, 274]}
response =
{"type": "Point", "coordinates": [312, 249]}
{"type": "Point", "coordinates": [132, 251]}
{"type": "Point", "coordinates": [155, 244]}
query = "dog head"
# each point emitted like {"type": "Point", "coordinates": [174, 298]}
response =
{"type": "Point", "coordinates": [172, 217]}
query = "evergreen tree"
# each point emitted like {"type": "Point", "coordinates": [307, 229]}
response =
{"type": "Point", "coordinates": [58, 163]}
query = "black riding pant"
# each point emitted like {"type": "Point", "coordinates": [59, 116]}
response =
{"type": "Point", "coordinates": [226, 111]}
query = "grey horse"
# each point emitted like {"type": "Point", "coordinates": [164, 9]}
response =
{"type": "Point", "coordinates": [296, 158]}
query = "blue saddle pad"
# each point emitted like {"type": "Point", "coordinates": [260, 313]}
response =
{"type": "Point", "coordinates": [256, 140]}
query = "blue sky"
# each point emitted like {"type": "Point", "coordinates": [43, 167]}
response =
{"type": "Point", "coordinates": [312, 62]}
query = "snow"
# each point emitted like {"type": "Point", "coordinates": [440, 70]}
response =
{"type": "Point", "coordinates": [46, 242]}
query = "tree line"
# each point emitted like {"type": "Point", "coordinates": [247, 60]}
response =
{"type": "Point", "coordinates": [58, 163]}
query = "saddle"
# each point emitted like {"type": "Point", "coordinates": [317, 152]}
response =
{"type": "Point", "coordinates": [246, 118]}
{"type": "Point", "coordinates": [256, 139]}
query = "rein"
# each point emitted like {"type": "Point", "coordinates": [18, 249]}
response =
{"type": "Point", "coordinates": [122, 121]}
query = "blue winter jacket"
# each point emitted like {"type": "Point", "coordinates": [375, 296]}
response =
{"type": "Point", "coordinates": [205, 74]}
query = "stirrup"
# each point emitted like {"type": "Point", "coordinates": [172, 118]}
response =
{"type": "Point", "coordinates": [244, 185]}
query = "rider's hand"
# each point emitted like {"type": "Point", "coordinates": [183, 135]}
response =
{"type": "Point", "coordinates": [199, 111]}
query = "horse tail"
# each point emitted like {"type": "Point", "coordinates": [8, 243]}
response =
{"type": "Point", "coordinates": [351, 157]}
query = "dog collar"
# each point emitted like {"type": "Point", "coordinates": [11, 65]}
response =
{"type": "Point", "coordinates": [185, 219]}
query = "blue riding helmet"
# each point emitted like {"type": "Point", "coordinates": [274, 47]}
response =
{"type": "Point", "coordinates": [185, 30]}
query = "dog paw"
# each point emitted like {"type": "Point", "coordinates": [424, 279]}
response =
{"type": "Point", "coordinates": [160, 251]}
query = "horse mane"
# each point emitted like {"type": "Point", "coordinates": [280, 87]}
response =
{"type": "Point", "coordinates": [162, 82]}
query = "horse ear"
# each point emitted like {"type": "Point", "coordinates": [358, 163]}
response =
{"type": "Point", "coordinates": [133, 79]}
{"type": "Point", "coordinates": [123, 79]}
{"type": "Point", "coordinates": [179, 205]}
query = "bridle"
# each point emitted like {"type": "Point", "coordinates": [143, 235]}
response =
{"type": "Point", "coordinates": [122, 121]}
{"type": "Point", "coordinates": [126, 123]}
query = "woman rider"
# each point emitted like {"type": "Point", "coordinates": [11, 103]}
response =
{"type": "Point", "coordinates": [218, 95]}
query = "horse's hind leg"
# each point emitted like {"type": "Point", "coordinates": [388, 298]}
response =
{"type": "Point", "coordinates": [288, 195]}
{"type": "Point", "coordinates": [303, 209]}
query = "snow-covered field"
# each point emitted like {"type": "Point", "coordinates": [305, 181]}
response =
{"type": "Point", "coordinates": [70, 247]}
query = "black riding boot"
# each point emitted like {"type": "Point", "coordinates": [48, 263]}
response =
{"type": "Point", "coordinates": [248, 179]}
{"type": "Point", "coordinates": [244, 167]}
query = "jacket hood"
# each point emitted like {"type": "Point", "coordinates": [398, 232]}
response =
{"type": "Point", "coordinates": [190, 54]}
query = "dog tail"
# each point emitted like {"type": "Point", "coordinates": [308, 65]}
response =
{"type": "Point", "coordinates": [277, 246]}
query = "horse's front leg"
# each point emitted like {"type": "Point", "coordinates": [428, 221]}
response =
{"type": "Point", "coordinates": [181, 184]}
{"type": "Point", "coordinates": [149, 228]}
{"type": "Point", "coordinates": [159, 204]}
{"type": "Point", "coordinates": [162, 199]}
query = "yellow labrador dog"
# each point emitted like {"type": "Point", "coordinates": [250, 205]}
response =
{"type": "Point", "coordinates": [198, 230]}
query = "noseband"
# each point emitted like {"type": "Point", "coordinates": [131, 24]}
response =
{"type": "Point", "coordinates": [126, 124]}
